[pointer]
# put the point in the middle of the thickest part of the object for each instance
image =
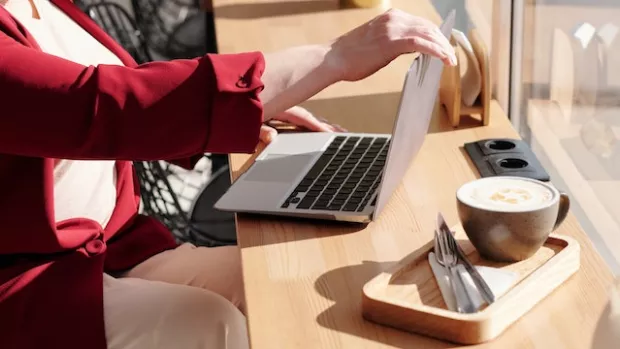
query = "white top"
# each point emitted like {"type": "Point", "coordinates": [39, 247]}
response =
{"type": "Point", "coordinates": [82, 189]}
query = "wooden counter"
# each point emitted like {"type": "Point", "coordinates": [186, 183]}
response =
{"type": "Point", "coordinates": [303, 279]}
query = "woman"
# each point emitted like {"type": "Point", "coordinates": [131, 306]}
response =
{"type": "Point", "coordinates": [79, 268]}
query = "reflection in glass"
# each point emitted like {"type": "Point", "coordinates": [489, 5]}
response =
{"type": "Point", "coordinates": [569, 110]}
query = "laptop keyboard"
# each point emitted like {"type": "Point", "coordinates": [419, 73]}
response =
{"type": "Point", "coordinates": [344, 178]}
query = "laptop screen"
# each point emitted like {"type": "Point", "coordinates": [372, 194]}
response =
{"type": "Point", "coordinates": [417, 102]}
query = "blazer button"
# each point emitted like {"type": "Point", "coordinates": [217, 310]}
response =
{"type": "Point", "coordinates": [95, 247]}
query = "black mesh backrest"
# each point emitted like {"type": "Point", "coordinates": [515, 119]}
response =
{"type": "Point", "coordinates": [115, 20]}
{"type": "Point", "coordinates": [159, 198]}
{"type": "Point", "coordinates": [173, 28]}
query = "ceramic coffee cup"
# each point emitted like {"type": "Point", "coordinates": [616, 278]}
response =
{"type": "Point", "coordinates": [508, 219]}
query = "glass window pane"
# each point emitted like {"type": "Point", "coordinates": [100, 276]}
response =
{"type": "Point", "coordinates": [568, 105]}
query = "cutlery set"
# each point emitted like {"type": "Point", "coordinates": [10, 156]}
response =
{"type": "Point", "coordinates": [448, 254]}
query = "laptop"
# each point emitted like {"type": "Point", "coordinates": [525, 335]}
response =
{"type": "Point", "coordinates": [341, 176]}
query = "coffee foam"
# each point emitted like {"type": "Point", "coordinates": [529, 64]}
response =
{"type": "Point", "coordinates": [506, 194]}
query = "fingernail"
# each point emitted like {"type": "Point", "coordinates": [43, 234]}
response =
{"type": "Point", "coordinates": [452, 59]}
{"type": "Point", "coordinates": [452, 56]}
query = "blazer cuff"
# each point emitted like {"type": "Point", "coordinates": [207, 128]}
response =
{"type": "Point", "coordinates": [237, 113]}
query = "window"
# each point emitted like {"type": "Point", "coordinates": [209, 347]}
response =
{"type": "Point", "coordinates": [565, 101]}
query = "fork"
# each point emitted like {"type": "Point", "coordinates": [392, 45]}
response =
{"type": "Point", "coordinates": [446, 256]}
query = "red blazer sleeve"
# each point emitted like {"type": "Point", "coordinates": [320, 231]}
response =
{"type": "Point", "coordinates": [54, 108]}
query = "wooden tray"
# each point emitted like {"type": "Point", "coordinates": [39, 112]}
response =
{"type": "Point", "coordinates": [407, 295]}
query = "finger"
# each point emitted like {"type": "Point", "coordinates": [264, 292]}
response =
{"type": "Point", "coordinates": [438, 37]}
{"type": "Point", "coordinates": [338, 128]}
{"type": "Point", "coordinates": [435, 36]}
{"type": "Point", "coordinates": [333, 127]}
{"type": "Point", "coordinates": [432, 33]}
{"type": "Point", "coordinates": [267, 134]}
{"type": "Point", "coordinates": [419, 44]}
{"type": "Point", "coordinates": [301, 117]}
{"type": "Point", "coordinates": [438, 45]}
{"type": "Point", "coordinates": [445, 39]}
{"type": "Point", "coordinates": [419, 26]}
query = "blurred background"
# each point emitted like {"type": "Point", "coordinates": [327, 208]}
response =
{"type": "Point", "coordinates": [565, 101]}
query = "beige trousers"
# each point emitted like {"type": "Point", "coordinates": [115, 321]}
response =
{"type": "Point", "coordinates": [190, 297]}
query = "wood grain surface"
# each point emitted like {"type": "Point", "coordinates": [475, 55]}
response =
{"type": "Point", "coordinates": [304, 279]}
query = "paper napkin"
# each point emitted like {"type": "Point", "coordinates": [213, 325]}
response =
{"type": "Point", "coordinates": [499, 282]}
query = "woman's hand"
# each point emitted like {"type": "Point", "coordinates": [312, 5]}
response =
{"type": "Point", "coordinates": [371, 46]}
{"type": "Point", "coordinates": [301, 118]}
{"type": "Point", "coordinates": [293, 75]}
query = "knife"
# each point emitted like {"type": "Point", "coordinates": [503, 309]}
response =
{"type": "Point", "coordinates": [482, 286]}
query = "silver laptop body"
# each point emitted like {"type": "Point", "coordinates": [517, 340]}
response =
{"type": "Point", "coordinates": [341, 176]}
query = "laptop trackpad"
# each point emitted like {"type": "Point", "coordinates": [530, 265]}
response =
{"type": "Point", "coordinates": [281, 168]}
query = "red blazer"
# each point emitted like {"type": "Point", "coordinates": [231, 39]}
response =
{"type": "Point", "coordinates": [51, 273]}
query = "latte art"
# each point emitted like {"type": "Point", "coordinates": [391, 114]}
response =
{"type": "Point", "coordinates": [513, 196]}
{"type": "Point", "coordinates": [507, 194]}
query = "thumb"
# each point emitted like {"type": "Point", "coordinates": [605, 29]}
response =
{"type": "Point", "coordinates": [267, 134]}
